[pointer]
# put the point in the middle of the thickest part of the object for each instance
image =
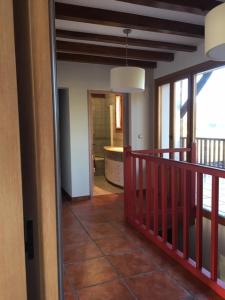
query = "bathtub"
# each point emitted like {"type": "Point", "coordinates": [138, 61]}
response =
{"type": "Point", "coordinates": [114, 165]}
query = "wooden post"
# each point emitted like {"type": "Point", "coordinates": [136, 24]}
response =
{"type": "Point", "coordinates": [127, 182]}
{"type": "Point", "coordinates": [12, 252]}
{"type": "Point", "coordinates": [193, 153]}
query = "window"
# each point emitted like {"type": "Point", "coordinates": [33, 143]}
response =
{"type": "Point", "coordinates": [190, 107]}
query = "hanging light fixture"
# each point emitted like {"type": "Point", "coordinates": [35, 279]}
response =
{"type": "Point", "coordinates": [127, 79]}
{"type": "Point", "coordinates": [215, 33]}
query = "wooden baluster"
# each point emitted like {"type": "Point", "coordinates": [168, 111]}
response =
{"type": "Point", "coordinates": [148, 194]}
{"type": "Point", "coordinates": [214, 228]}
{"type": "Point", "coordinates": [174, 209]}
{"type": "Point", "coordinates": [172, 155]}
{"type": "Point", "coordinates": [181, 156]}
{"type": "Point", "coordinates": [140, 192]}
{"type": "Point", "coordinates": [194, 153]}
{"type": "Point", "coordinates": [223, 154]}
{"type": "Point", "coordinates": [205, 152]}
{"type": "Point", "coordinates": [164, 202]}
{"type": "Point", "coordinates": [156, 207]}
{"type": "Point", "coordinates": [127, 183]}
{"type": "Point", "coordinates": [214, 151]}
{"type": "Point", "coordinates": [185, 214]}
{"type": "Point", "coordinates": [219, 152]}
{"type": "Point", "coordinates": [210, 152]}
{"type": "Point", "coordinates": [201, 153]}
{"type": "Point", "coordinates": [198, 239]}
{"type": "Point", "coordinates": [134, 197]}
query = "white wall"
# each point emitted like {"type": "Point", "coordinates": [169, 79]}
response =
{"type": "Point", "coordinates": [80, 78]}
{"type": "Point", "coordinates": [182, 61]}
{"type": "Point", "coordinates": [65, 151]}
{"type": "Point", "coordinates": [142, 116]}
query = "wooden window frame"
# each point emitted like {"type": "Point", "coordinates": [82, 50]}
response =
{"type": "Point", "coordinates": [190, 74]}
{"type": "Point", "coordinates": [170, 79]}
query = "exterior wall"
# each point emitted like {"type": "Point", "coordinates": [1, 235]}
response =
{"type": "Point", "coordinates": [80, 78]}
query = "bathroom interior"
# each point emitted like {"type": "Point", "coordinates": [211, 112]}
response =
{"type": "Point", "coordinates": [107, 139]}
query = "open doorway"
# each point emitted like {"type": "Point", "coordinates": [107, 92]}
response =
{"type": "Point", "coordinates": [107, 128]}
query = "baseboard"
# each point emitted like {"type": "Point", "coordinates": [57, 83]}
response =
{"type": "Point", "coordinates": [69, 198]}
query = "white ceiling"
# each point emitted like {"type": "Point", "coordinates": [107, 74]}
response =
{"type": "Point", "coordinates": [135, 9]}
{"type": "Point", "coordinates": [100, 29]}
{"type": "Point", "coordinates": [139, 10]}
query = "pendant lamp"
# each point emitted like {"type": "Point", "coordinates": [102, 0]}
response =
{"type": "Point", "coordinates": [127, 79]}
{"type": "Point", "coordinates": [215, 33]}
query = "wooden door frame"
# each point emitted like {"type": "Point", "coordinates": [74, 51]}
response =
{"type": "Point", "coordinates": [12, 250]}
{"type": "Point", "coordinates": [90, 128]}
{"type": "Point", "coordinates": [36, 71]}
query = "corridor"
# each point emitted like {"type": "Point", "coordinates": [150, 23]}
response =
{"type": "Point", "coordinates": [105, 259]}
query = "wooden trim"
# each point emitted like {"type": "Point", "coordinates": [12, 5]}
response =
{"type": "Point", "coordinates": [44, 135]}
{"type": "Point", "coordinates": [37, 133]}
{"type": "Point", "coordinates": [189, 71]}
{"type": "Point", "coordinates": [92, 15]}
{"type": "Point", "coordinates": [111, 51]}
{"type": "Point", "coordinates": [69, 198]}
{"type": "Point", "coordinates": [157, 106]}
{"type": "Point", "coordinates": [191, 6]}
{"type": "Point", "coordinates": [207, 215]}
{"type": "Point", "coordinates": [93, 59]}
{"type": "Point", "coordinates": [12, 252]}
{"type": "Point", "coordinates": [97, 95]}
{"type": "Point", "coordinates": [90, 138]}
{"type": "Point", "coordinates": [90, 130]}
{"type": "Point", "coordinates": [171, 116]}
{"type": "Point", "coordinates": [111, 39]}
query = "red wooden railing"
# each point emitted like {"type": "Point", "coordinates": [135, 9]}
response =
{"type": "Point", "coordinates": [210, 151]}
{"type": "Point", "coordinates": [164, 200]}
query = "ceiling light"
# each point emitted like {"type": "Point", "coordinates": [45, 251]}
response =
{"type": "Point", "coordinates": [215, 33]}
{"type": "Point", "coordinates": [127, 79]}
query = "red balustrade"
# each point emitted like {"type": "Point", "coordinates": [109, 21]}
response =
{"type": "Point", "coordinates": [164, 201]}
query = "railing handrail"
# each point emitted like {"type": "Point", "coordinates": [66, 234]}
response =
{"type": "Point", "coordinates": [205, 138]}
{"type": "Point", "coordinates": [186, 165]}
{"type": "Point", "coordinates": [213, 139]}
{"type": "Point", "coordinates": [161, 193]}
{"type": "Point", "coordinates": [163, 151]}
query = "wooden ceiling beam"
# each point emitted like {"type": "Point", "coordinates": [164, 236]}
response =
{"type": "Point", "coordinates": [117, 52]}
{"type": "Point", "coordinates": [110, 39]}
{"type": "Point", "coordinates": [92, 15]}
{"type": "Point", "coordinates": [200, 7]}
{"type": "Point", "coordinates": [103, 60]}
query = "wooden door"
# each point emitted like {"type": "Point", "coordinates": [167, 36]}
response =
{"type": "Point", "coordinates": [35, 89]}
{"type": "Point", "coordinates": [12, 252]}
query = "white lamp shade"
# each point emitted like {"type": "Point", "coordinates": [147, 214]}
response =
{"type": "Point", "coordinates": [127, 79]}
{"type": "Point", "coordinates": [215, 33]}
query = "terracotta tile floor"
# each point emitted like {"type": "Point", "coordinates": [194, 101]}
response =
{"type": "Point", "coordinates": [105, 259]}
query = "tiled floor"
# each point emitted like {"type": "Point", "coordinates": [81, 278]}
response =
{"type": "Point", "coordinates": [105, 259]}
{"type": "Point", "coordinates": [103, 187]}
